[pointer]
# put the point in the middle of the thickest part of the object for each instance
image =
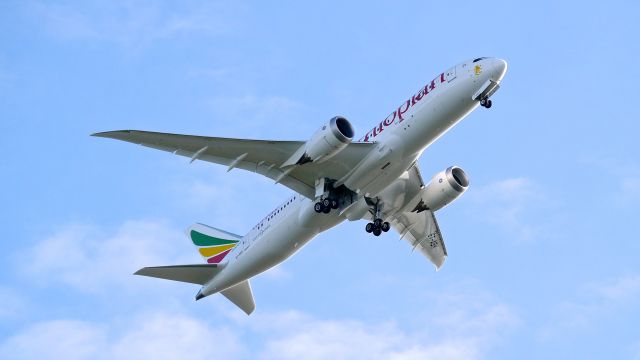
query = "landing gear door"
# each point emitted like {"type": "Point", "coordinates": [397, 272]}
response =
{"type": "Point", "coordinates": [451, 74]}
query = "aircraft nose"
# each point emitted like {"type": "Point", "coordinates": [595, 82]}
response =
{"type": "Point", "coordinates": [499, 69]}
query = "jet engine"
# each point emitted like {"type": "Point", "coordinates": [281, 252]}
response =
{"type": "Point", "coordinates": [443, 188]}
{"type": "Point", "coordinates": [329, 140]}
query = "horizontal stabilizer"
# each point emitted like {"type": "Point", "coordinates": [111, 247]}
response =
{"type": "Point", "coordinates": [195, 274]}
{"type": "Point", "coordinates": [242, 296]}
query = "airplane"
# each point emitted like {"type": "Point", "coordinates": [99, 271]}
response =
{"type": "Point", "coordinates": [335, 178]}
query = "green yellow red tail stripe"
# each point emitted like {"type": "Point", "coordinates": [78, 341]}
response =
{"type": "Point", "coordinates": [213, 244]}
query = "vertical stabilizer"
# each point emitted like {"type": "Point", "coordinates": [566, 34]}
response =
{"type": "Point", "coordinates": [213, 244]}
{"type": "Point", "coordinates": [242, 296]}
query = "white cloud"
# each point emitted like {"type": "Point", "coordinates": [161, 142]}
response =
{"type": "Point", "coordinates": [301, 336]}
{"type": "Point", "coordinates": [57, 339]}
{"type": "Point", "coordinates": [597, 303]}
{"type": "Point", "coordinates": [455, 325]}
{"type": "Point", "coordinates": [621, 289]}
{"type": "Point", "coordinates": [623, 173]}
{"type": "Point", "coordinates": [147, 336]}
{"type": "Point", "coordinates": [84, 257]}
{"type": "Point", "coordinates": [254, 115]}
{"type": "Point", "coordinates": [285, 335]}
{"type": "Point", "coordinates": [12, 304]}
{"type": "Point", "coordinates": [630, 189]}
{"type": "Point", "coordinates": [131, 22]}
{"type": "Point", "coordinates": [506, 203]}
{"type": "Point", "coordinates": [171, 336]}
{"type": "Point", "coordinates": [635, 351]}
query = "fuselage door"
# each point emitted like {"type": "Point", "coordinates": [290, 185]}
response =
{"type": "Point", "coordinates": [451, 74]}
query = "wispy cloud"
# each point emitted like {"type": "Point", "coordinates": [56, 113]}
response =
{"type": "Point", "coordinates": [470, 322]}
{"type": "Point", "coordinates": [12, 303]}
{"type": "Point", "coordinates": [143, 336]}
{"type": "Point", "coordinates": [278, 335]}
{"type": "Point", "coordinates": [90, 260]}
{"type": "Point", "coordinates": [623, 174]}
{"type": "Point", "coordinates": [255, 115]}
{"type": "Point", "coordinates": [506, 203]}
{"type": "Point", "coordinates": [132, 23]}
{"type": "Point", "coordinates": [597, 301]}
{"type": "Point", "coordinates": [630, 189]}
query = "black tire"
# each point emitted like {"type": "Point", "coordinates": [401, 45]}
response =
{"type": "Point", "coordinates": [318, 207]}
{"type": "Point", "coordinates": [326, 209]}
{"type": "Point", "coordinates": [369, 227]}
{"type": "Point", "coordinates": [334, 204]}
{"type": "Point", "coordinates": [377, 222]}
{"type": "Point", "coordinates": [385, 226]}
{"type": "Point", "coordinates": [326, 203]}
{"type": "Point", "coordinates": [483, 102]}
{"type": "Point", "coordinates": [377, 231]}
{"type": "Point", "coordinates": [489, 103]}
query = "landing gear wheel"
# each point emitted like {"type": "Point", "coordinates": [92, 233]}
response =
{"type": "Point", "coordinates": [326, 209]}
{"type": "Point", "coordinates": [489, 103]}
{"type": "Point", "coordinates": [369, 227]}
{"type": "Point", "coordinates": [377, 223]}
{"type": "Point", "coordinates": [385, 226]}
{"type": "Point", "coordinates": [318, 207]}
{"type": "Point", "coordinates": [377, 231]}
{"type": "Point", "coordinates": [326, 203]}
{"type": "Point", "coordinates": [334, 204]}
{"type": "Point", "coordinates": [483, 102]}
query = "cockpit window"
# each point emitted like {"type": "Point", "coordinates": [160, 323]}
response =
{"type": "Point", "coordinates": [480, 58]}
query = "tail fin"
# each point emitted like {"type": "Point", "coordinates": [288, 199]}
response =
{"type": "Point", "coordinates": [213, 244]}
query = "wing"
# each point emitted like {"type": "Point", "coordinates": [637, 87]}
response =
{"type": "Point", "coordinates": [421, 230]}
{"type": "Point", "coordinates": [261, 156]}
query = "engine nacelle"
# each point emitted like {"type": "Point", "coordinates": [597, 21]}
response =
{"type": "Point", "coordinates": [329, 140]}
{"type": "Point", "coordinates": [443, 188]}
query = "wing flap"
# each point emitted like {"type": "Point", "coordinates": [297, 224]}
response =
{"type": "Point", "coordinates": [196, 274]}
{"type": "Point", "coordinates": [421, 230]}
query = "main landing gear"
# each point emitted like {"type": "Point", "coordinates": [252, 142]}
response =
{"type": "Point", "coordinates": [325, 205]}
{"type": "Point", "coordinates": [378, 225]}
{"type": "Point", "coordinates": [486, 102]}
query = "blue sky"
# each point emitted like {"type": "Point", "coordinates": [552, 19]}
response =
{"type": "Point", "coordinates": [543, 248]}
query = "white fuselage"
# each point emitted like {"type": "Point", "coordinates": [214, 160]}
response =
{"type": "Point", "coordinates": [400, 140]}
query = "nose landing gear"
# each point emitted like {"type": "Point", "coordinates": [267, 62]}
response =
{"type": "Point", "coordinates": [486, 102]}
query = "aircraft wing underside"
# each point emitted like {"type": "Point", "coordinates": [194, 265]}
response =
{"type": "Point", "coordinates": [260, 156]}
{"type": "Point", "coordinates": [421, 230]}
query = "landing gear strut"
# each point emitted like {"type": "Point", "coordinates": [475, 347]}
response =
{"type": "Point", "coordinates": [486, 102]}
{"type": "Point", "coordinates": [378, 225]}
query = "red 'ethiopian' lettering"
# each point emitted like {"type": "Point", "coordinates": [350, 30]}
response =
{"type": "Point", "coordinates": [402, 109]}
{"type": "Point", "coordinates": [388, 122]}
{"type": "Point", "coordinates": [401, 112]}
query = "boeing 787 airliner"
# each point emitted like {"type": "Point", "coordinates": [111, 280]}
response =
{"type": "Point", "coordinates": [375, 178]}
